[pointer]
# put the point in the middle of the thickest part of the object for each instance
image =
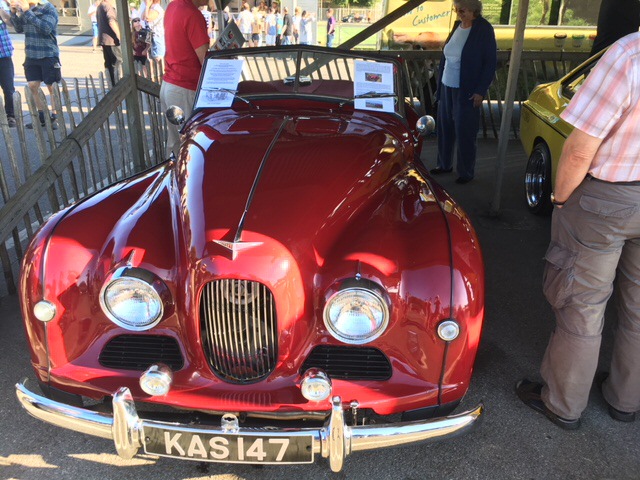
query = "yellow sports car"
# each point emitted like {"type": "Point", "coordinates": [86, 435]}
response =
{"type": "Point", "coordinates": [543, 132]}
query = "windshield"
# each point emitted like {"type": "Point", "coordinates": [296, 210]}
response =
{"type": "Point", "coordinates": [365, 81]}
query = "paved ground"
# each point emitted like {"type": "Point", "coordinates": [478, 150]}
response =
{"type": "Point", "coordinates": [512, 442]}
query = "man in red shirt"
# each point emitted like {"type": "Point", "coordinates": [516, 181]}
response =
{"type": "Point", "coordinates": [187, 44]}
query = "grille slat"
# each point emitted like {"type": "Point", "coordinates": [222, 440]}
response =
{"type": "Point", "coordinates": [138, 352]}
{"type": "Point", "coordinates": [221, 328]}
{"type": "Point", "coordinates": [238, 322]}
{"type": "Point", "coordinates": [349, 363]}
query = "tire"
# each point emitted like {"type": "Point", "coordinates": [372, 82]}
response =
{"type": "Point", "coordinates": [537, 180]}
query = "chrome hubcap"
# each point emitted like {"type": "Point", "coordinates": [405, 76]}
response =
{"type": "Point", "coordinates": [535, 178]}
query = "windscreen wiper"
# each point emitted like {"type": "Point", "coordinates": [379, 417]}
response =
{"type": "Point", "coordinates": [371, 94]}
{"type": "Point", "coordinates": [231, 92]}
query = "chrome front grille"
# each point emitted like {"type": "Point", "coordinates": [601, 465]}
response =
{"type": "Point", "coordinates": [238, 322]}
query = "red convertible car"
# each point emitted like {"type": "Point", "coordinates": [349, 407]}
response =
{"type": "Point", "coordinates": [290, 285]}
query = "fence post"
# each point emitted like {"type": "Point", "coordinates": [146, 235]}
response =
{"type": "Point", "coordinates": [134, 122]}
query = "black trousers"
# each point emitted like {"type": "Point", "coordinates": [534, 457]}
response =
{"type": "Point", "coordinates": [6, 83]}
{"type": "Point", "coordinates": [112, 57]}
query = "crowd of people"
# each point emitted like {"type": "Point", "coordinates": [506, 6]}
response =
{"type": "Point", "coordinates": [260, 25]}
{"type": "Point", "coordinates": [38, 20]}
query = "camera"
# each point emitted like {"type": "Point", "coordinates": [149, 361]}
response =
{"type": "Point", "coordinates": [145, 34]}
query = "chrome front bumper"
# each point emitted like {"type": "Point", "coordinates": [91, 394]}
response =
{"type": "Point", "coordinates": [334, 441]}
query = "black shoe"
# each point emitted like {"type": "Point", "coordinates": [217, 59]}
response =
{"type": "Point", "coordinates": [43, 125]}
{"type": "Point", "coordinates": [530, 394]}
{"type": "Point", "coordinates": [614, 413]}
{"type": "Point", "coordinates": [11, 122]}
{"type": "Point", "coordinates": [438, 170]}
{"type": "Point", "coordinates": [462, 180]}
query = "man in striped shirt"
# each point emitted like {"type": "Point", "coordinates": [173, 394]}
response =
{"type": "Point", "coordinates": [595, 240]}
{"type": "Point", "coordinates": [38, 19]}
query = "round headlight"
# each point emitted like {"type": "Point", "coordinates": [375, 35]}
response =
{"type": "Point", "coordinates": [132, 303]}
{"type": "Point", "coordinates": [356, 315]}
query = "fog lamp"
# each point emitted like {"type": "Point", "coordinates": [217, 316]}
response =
{"type": "Point", "coordinates": [315, 385]}
{"type": "Point", "coordinates": [44, 311]}
{"type": "Point", "coordinates": [156, 380]}
{"type": "Point", "coordinates": [448, 330]}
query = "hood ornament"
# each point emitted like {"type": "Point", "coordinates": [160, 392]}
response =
{"type": "Point", "coordinates": [237, 246]}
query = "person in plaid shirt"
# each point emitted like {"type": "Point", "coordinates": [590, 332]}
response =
{"type": "Point", "coordinates": [595, 247]}
{"type": "Point", "coordinates": [6, 66]}
{"type": "Point", "coordinates": [38, 19]}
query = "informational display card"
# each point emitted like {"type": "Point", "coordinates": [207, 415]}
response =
{"type": "Point", "coordinates": [219, 83]}
{"type": "Point", "coordinates": [230, 38]}
{"type": "Point", "coordinates": [374, 78]}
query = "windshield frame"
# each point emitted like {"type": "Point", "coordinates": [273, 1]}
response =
{"type": "Point", "coordinates": [297, 89]}
{"type": "Point", "coordinates": [570, 84]}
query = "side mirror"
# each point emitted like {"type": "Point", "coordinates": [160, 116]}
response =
{"type": "Point", "coordinates": [425, 125]}
{"type": "Point", "coordinates": [175, 115]}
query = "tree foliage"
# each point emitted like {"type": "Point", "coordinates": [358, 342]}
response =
{"type": "Point", "coordinates": [545, 12]}
{"type": "Point", "coordinates": [353, 3]}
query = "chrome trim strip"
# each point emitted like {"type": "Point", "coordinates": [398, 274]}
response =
{"type": "Point", "coordinates": [542, 118]}
{"type": "Point", "coordinates": [335, 440]}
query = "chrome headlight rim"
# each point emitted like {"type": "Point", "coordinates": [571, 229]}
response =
{"type": "Point", "coordinates": [365, 286]}
{"type": "Point", "coordinates": [147, 280]}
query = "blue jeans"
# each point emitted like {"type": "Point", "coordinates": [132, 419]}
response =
{"type": "Point", "coordinates": [6, 82]}
{"type": "Point", "coordinates": [330, 39]}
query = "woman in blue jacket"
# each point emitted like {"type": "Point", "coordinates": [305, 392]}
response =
{"type": "Point", "coordinates": [467, 68]}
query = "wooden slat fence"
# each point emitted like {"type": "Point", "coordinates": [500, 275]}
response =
{"type": "Point", "coordinates": [536, 68]}
{"type": "Point", "coordinates": [45, 170]}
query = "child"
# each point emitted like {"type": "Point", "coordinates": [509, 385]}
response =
{"type": "Point", "coordinates": [141, 40]}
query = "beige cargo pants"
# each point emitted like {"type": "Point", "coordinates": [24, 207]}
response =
{"type": "Point", "coordinates": [595, 239]}
{"type": "Point", "coordinates": [181, 97]}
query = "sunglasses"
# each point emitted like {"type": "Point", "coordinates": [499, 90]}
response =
{"type": "Point", "coordinates": [135, 20]}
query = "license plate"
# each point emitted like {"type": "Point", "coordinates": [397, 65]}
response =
{"type": "Point", "coordinates": [228, 448]}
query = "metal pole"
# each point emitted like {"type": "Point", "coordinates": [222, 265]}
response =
{"type": "Point", "coordinates": [512, 82]}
